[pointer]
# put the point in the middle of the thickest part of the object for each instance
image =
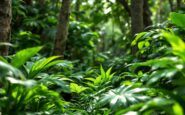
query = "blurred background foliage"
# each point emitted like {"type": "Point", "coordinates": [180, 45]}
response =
{"type": "Point", "coordinates": [98, 74]}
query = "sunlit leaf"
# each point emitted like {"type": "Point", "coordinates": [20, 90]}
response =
{"type": "Point", "coordinates": [178, 19]}
{"type": "Point", "coordinates": [123, 96]}
{"type": "Point", "coordinates": [178, 110]}
{"type": "Point", "coordinates": [177, 44]}
{"type": "Point", "coordinates": [43, 64]}
{"type": "Point", "coordinates": [22, 56]}
{"type": "Point", "coordinates": [137, 38]}
{"type": "Point", "coordinates": [77, 88]}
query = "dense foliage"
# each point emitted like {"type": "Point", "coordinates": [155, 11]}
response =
{"type": "Point", "coordinates": [98, 75]}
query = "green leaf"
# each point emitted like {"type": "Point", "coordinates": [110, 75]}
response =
{"type": "Point", "coordinates": [158, 103]}
{"type": "Point", "coordinates": [76, 88]}
{"type": "Point", "coordinates": [27, 83]}
{"type": "Point", "coordinates": [178, 19]}
{"type": "Point", "coordinates": [3, 59]}
{"type": "Point", "coordinates": [123, 96]}
{"type": "Point", "coordinates": [141, 44]}
{"type": "Point", "coordinates": [177, 44]}
{"type": "Point", "coordinates": [177, 109]}
{"type": "Point", "coordinates": [43, 64]}
{"type": "Point", "coordinates": [157, 63]}
{"type": "Point", "coordinates": [130, 108]}
{"type": "Point", "coordinates": [137, 38]}
{"type": "Point", "coordinates": [56, 80]}
{"type": "Point", "coordinates": [22, 56]}
{"type": "Point", "coordinates": [9, 70]}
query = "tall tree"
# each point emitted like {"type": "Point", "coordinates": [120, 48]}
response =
{"type": "Point", "coordinates": [146, 14]}
{"type": "Point", "coordinates": [171, 5]}
{"type": "Point", "coordinates": [5, 24]}
{"type": "Point", "coordinates": [137, 16]}
{"type": "Point", "coordinates": [137, 24]}
{"type": "Point", "coordinates": [62, 30]}
{"type": "Point", "coordinates": [126, 6]}
{"type": "Point", "coordinates": [77, 8]}
{"type": "Point", "coordinates": [179, 3]}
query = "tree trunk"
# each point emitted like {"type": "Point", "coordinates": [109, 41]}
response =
{"type": "Point", "coordinates": [28, 2]}
{"type": "Point", "coordinates": [62, 30]}
{"type": "Point", "coordinates": [126, 6]}
{"type": "Point", "coordinates": [179, 3]}
{"type": "Point", "coordinates": [146, 14]}
{"type": "Point", "coordinates": [136, 18]}
{"type": "Point", "coordinates": [5, 24]}
{"type": "Point", "coordinates": [77, 9]}
{"type": "Point", "coordinates": [171, 5]}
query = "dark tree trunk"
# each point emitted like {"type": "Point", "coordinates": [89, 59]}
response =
{"type": "Point", "coordinates": [28, 2]}
{"type": "Point", "coordinates": [179, 3]}
{"type": "Point", "coordinates": [62, 30]}
{"type": "Point", "coordinates": [146, 14]}
{"type": "Point", "coordinates": [126, 6]}
{"type": "Point", "coordinates": [171, 5]}
{"type": "Point", "coordinates": [77, 9]}
{"type": "Point", "coordinates": [136, 18]}
{"type": "Point", "coordinates": [5, 24]}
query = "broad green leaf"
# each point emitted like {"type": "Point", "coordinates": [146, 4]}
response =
{"type": "Point", "coordinates": [157, 103]}
{"type": "Point", "coordinates": [157, 63]}
{"type": "Point", "coordinates": [56, 80]}
{"type": "Point", "coordinates": [178, 19]}
{"type": "Point", "coordinates": [137, 38]}
{"type": "Point", "coordinates": [177, 44]}
{"type": "Point", "coordinates": [141, 44]}
{"type": "Point", "coordinates": [22, 56]}
{"type": "Point", "coordinates": [123, 96]}
{"type": "Point", "coordinates": [157, 75]}
{"type": "Point", "coordinates": [177, 109]}
{"type": "Point", "coordinates": [43, 64]}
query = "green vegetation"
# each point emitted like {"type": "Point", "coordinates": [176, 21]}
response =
{"type": "Point", "coordinates": [106, 68]}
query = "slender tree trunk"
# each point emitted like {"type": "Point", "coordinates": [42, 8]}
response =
{"type": "Point", "coordinates": [77, 8]}
{"type": "Point", "coordinates": [62, 30]}
{"type": "Point", "coordinates": [171, 5]}
{"type": "Point", "coordinates": [5, 24]}
{"type": "Point", "coordinates": [28, 2]}
{"type": "Point", "coordinates": [136, 18]}
{"type": "Point", "coordinates": [179, 3]}
{"type": "Point", "coordinates": [146, 14]}
{"type": "Point", "coordinates": [126, 6]}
